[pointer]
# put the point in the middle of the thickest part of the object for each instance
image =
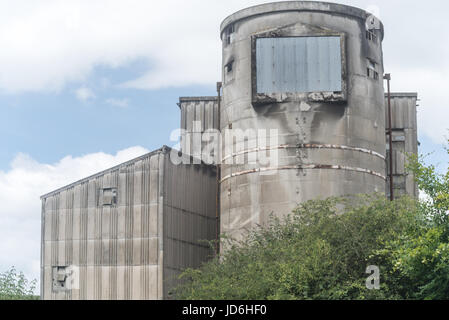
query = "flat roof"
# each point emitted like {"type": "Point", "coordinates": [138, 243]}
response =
{"type": "Point", "coordinates": [196, 99]}
{"type": "Point", "coordinates": [403, 94]}
{"type": "Point", "coordinates": [285, 6]}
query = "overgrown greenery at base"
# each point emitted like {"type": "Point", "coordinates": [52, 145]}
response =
{"type": "Point", "coordinates": [321, 251]}
{"type": "Point", "coordinates": [15, 286]}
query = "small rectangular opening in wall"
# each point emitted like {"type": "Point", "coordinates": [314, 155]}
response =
{"type": "Point", "coordinates": [229, 33]}
{"type": "Point", "coordinates": [371, 70]}
{"type": "Point", "coordinates": [229, 67]}
{"type": "Point", "coordinates": [107, 197]}
{"type": "Point", "coordinates": [229, 71]}
{"type": "Point", "coordinates": [371, 36]}
{"type": "Point", "coordinates": [59, 278]}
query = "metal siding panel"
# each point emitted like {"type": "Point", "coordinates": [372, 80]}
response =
{"type": "Point", "coordinates": [298, 64]}
{"type": "Point", "coordinates": [403, 109]}
{"type": "Point", "coordinates": [78, 231]}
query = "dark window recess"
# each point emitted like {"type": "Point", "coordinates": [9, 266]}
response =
{"type": "Point", "coordinates": [371, 70]}
{"type": "Point", "coordinates": [229, 74]}
{"type": "Point", "coordinates": [229, 33]}
{"type": "Point", "coordinates": [108, 197]}
{"type": "Point", "coordinates": [59, 277]}
{"type": "Point", "coordinates": [371, 36]}
{"type": "Point", "coordinates": [229, 67]}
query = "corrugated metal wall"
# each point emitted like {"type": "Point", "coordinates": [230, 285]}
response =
{"type": "Point", "coordinates": [405, 141]}
{"type": "Point", "coordinates": [189, 218]}
{"type": "Point", "coordinates": [204, 111]}
{"type": "Point", "coordinates": [298, 64]}
{"type": "Point", "coordinates": [119, 249]}
{"type": "Point", "coordinates": [114, 247]}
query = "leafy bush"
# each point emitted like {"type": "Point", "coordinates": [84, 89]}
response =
{"type": "Point", "coordinates": [314, 253]}
{"type": "Point", "coordinates": [322, 250]}
{"type": "Point", "coordinates": [15, 286]}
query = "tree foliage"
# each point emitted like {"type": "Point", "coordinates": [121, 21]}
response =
{"type": "Point", "coordinates": [322, 250]}
{"type": "Point", "coordinates": [15, 286]}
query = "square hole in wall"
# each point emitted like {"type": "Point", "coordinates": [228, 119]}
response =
{"type": "Point", "coordinates": [108, 197]}
{"type": "Point", "coordinates": [59, 278]}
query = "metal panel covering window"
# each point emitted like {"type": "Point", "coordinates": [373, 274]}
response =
{"type": "Point", "coordinates": [299, 64]}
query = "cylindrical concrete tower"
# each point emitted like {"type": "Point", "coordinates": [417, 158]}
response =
{"type": "Point", "coordinates": [310, 73]}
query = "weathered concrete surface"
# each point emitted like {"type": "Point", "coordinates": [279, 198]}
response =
{"type": "Point", "coordinates": [352, 121]}
{"type": "Point", "coordinates": [134, 247]}
{"type": "Point", "coordinates": [405, 141]}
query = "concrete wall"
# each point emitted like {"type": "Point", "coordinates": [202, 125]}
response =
{"type": "Point", "coordinates": [329, 144]}
{"type": "Point", "coordinates": [405, 141]}
{"type": "Point", "coordinates": [120, 251]}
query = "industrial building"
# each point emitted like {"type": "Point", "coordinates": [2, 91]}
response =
{"type": "Point", "coordinates": [301, 113]}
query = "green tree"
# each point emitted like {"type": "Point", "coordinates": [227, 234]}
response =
{"type": "Point", "coordinates": [435, 186]}
{"type": "Point", "coordinates": [15, 286]}
{"type": "Point", "coordinates": [322, 249]}
{"type": "Point", "coordinates": [421, 255]}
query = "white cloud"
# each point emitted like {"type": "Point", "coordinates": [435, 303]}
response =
{"type": "Point", "coordinates": [432, 86]}
{"type": "Point", "coordinates": [47, 44]}
{"type": "Point", "coordinates": [121, 103]}
{"type": "Point", "coordinates": [84, 94]}
{"type": "Point", "coordinates": [20, 191]}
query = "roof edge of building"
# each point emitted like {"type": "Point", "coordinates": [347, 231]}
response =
{"type": "Point", "coordinates": [403, 94]}
{"type": "Point", "coordinates": [306, 6]}
{"type": "Point", "coordinates": [164, 149]}
{"type": "Point", "coordinates": [196, 99]}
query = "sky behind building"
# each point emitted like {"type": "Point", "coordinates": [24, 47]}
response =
{"type": "Point", "coordinates": [85, 85]}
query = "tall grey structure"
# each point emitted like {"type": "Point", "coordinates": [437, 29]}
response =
{"type": "Point", "coordinates": [405, 143]}
{"type": "Point", "coordinates": [311, 73]}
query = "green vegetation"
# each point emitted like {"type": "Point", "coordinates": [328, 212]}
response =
{"type": "Point", "coordinates": [15, 286]}
{"type": "Point", "coordinates": [322, 250]}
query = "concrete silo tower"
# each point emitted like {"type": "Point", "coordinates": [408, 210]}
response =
{"type": "Point", "coordinates": [312, 72]}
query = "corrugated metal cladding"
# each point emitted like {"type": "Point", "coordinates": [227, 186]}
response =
{"type": "Point", "coordinates": [298, 64]}
{"type": "Point", "coordinates": [405, 141]}
{"type": "Point", "coordinates": [203, 111]}
{"type": "Point", "coordinates": [125, 232]}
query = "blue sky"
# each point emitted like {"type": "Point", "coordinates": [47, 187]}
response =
{"type": "Point", "coordinates": [85, 85]}
{"type": "Point", "coordinates": [51, 126]}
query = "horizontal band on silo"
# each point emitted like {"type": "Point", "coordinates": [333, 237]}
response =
{"type": "Point", "coordinates": [304, 167]}
{"type": "Point", "coordinates": [305, 146]}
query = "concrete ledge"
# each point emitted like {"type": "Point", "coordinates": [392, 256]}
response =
{"type": "Point", "coordinates": [285, 6]}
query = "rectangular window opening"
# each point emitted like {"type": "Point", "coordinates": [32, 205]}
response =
{"type": "Point", "coordinates": [372, 70]}
{"type": "Point", "coordinates": [229, 33]}
{"type": "Point", "coordinates": [371, 36]}
{"type": "Point", "coordinates": [228, 72]}
{"type": "Point", "coordinates": [108, 197]}
{"type": "Point", "coordinates": [229, 66]}
{"type": "Point", "coordinates": [299, 64]}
